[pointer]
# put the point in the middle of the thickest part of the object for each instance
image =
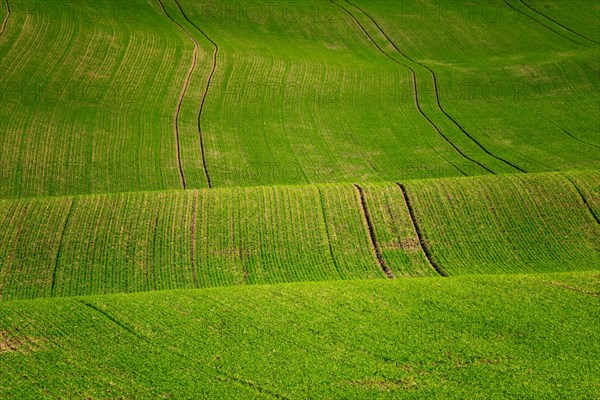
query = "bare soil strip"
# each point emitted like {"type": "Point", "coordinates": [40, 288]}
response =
{"type": "Point", "coordinates": [182, 94]}
{"type": "Point", "coordinates": [437, 94]}
{"type": "Point", "coordinates": [415, 224]}
{"type": "Point", "coordinates": [539, 23]}
{"type": "Point", "coordinates": [5, 22]}
{"type": "Point", "coordinates": [60, 246]}
{"type": "Point", "coordinates": [558, 23]}
{"type": "Point", "coordinates": [585, 201]}
{"type": "Point", "coordinates": [372, 235]}
{"type": "Point", "coordinates": [205, 94]}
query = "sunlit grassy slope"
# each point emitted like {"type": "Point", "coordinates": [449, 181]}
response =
{"type": "Point", "coordinates": [112, 97]}
{"type": "Point", "coordinates": [499, 337]}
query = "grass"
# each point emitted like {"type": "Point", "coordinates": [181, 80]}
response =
{"type": "Point", "coordinates": [320, 97]}
{"type": "Point", "coordinates": [483, 337]}
{"type": "Point", "coordinates": [302, 199]}
{"type": "Point", "coordinates": [132, 242]}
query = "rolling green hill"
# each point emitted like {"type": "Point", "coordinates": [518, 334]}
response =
{"type": "Point", "coordinates": [499, 337]}
{"type": "Point", "coordinates": [301, 199]}
{"type": "Point", "coordinates": [132, 242]}
{"type": "Point", "coordinates": [114, 97]}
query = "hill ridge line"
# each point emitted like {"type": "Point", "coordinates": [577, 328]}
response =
{"type": "Point", "coordinates": [305, 185]}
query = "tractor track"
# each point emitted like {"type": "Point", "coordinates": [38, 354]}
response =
{"type": "Point", "coordinates": [558, 23]}
{"type": "Point", "coordinates": [415, 85]}
{"type": "Point", "coordinates": [566, 132]}
{"type": "Point", "coordinates": [182, 94]}
{"type": "Point", "coordinates": [540, 23]}
{"type": "Point", "coordinates": [437, 95]}
{"type": "Point", "coordinates": [112, 319]}
{"type": "Point", "coordinates": [584, 199]}
{"type": "Point", "coordinates": [371, 228]}
{"type": "Point", "coordinates": [205, 93]}
{"type": "Point", "coordinates": [419, 233]}
{"type": "Point", "coordinates": [5, 22]}
{"type": "Point", "coordinates": [60, 246]}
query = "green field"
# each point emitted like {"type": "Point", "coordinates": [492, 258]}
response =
{"type": "Point", "coordinates": [486, 337]}
{"type": "Point", "coordinates": [330, 199]}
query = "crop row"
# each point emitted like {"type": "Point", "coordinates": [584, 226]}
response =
{"type": "Point", "coordinates": [196, 239]}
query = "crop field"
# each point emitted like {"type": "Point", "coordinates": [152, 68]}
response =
{"type": "Point", "coordinates": [469, 337]}
{"type": "Point", "coordinates": [299, 199]}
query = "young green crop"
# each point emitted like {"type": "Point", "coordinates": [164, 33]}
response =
{"type": "Point", "coordinates": [122, 243]}
{"type": "Point", "coordinates": [513, 223]}
{"type": "Point", "coordinates": [487, 337]}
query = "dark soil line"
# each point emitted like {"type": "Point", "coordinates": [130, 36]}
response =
{"type": "Point", "coordinates": [574, 289]}
{"type": "Point", "coordinates": [328, 234]}
{"type": "Point", "coordinates": [538, 22]}
{"type": "Point", "coordinates": [438, 130]}
{"type": "Point", "coordinates": [372, 235]}
{"type": "Point", "coordinates": [418, 231]}
{"type": "Point", "coordinates": [182, 95]}
{"type": "Point", "coordinates": [193, 241]}
{"type": "Point", "coordinates": [557, 23]}
{"type": "Point", "coordinates": [5, 22]}
{"type": "Point", "coordinates": [576, 138]}
{"type": "Point", "coordinates": [112, 319]}
{"type": "Point", "coordinates": [60, 247]}
{"type": "Point", "coordinates": [205, 94]}
{"type": "Point", "coordinates": [437, 93]}
{"type": "Point", "coordinates": [585, 201]}
{"type": "Point", "coordinates": [567, 132]}
{"type": "Point", "coordinates": [414, 79]}
{"type": "Point", "coordinates": [252, 385]}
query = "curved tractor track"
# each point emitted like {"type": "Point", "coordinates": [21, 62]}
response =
{"type": "Point", "coordinates": [206, 89]}
{"type": "Point", "coordinates": [183, 92]}
{"type": "Point", "coordinates": [415, 91]}
{"type": "Point", "coordinates": [558, 23]}
{"type": "Point", "coordinates": [5, 22]}
{"type": "Point", "coordinates": [437, 95]}
{"type": "Point", "coordinates": [540, 23]}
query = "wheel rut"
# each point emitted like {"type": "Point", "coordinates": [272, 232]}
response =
{"type": "Point", "coordinates": [558, 23]}
{"type": "Point", "coordinates": [419, 232]}
{"type": "Point", "coordinates": [182, 94]}
{"type": "Point", "coordinates": [5, 22]}
{"type": "Point", "coordinates": [206, 90]}
{"type": "Point", "coordinates": [437, 95]}
{"type": "Point", "coordinates": [372, 235]}
{"type": "Point", "coordinates": [415, 86]}
{"type": "Point", "coordinates": [540, 23]}
{"type": "Point", "coordinates": [60, 246]}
